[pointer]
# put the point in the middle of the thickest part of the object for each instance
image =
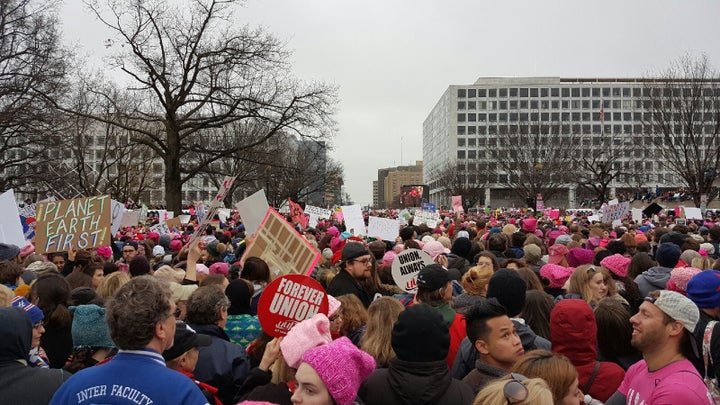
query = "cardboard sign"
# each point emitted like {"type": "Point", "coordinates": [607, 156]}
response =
{"type": "Point", "coordinates": [130, 218]}
{"type": "Point", "coordinates": [73, 224]}
{"type": "Point", "coordinates": [289, 300]}
{"type": "Point", "coordinates": [174, 222]}
{"type": "Point", "coordinates": [406, 267]}
{"type": "Point", "coordinates": [283, 249]}
{"type": "Point", "coordinates": [457, 203]}
{"type": "Point", "coordinates": [354, 222]}
{"type": "Point", "coordinates": [387, 229]}
{"type": "Point", "coordinates": [252, 210]}
{"type": "Point", "coordinates": [11, 230]}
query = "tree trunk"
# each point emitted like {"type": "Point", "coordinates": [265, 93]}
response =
{"type": "Point", "coordinates": [173, 181]}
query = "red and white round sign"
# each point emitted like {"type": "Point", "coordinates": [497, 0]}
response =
{"type": "Point", "coordinates": [288, 300]}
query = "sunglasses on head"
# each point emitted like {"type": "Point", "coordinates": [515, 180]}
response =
{"type": "Point", "coordinates": [514, 390]}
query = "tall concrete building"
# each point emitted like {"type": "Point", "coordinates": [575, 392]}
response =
{"type": "Point", "coordinates": [391, 179]}
{"type": "Point", "coordinates": [465, 127]}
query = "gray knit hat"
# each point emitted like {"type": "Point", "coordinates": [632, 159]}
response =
{"type": "Point", "coordinates": [89, 327]}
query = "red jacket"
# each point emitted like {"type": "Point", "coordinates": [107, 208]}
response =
{"type": "Point", "coordinates": [573, 333]}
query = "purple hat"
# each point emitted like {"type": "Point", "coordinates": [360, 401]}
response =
{"type": "Point", "coordinates": [342, 367]}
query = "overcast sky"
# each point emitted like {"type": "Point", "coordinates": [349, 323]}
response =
{"type": "Point", "coordinates": [392, 60]}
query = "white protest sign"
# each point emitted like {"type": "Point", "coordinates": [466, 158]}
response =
{"type": "Point", "coordinates": [27, 211]}
{"type": "Point", "coordinates": [224, 213]}
{"type": "Point", "coordinates": [11, 230]}
{"type": "Point", "coordinates": [184, 218]}
{"type": "Point", "coordinates": [637, 215]}
{"type": "Point", "coordinates": [130, 218]}
{"type": "Point", "coordinates": [594, 218]}
{"type": "Point", "coordinates": [615, 212]}
{"type": "Point", "coordinates": [312, 220]}
{"type": "Point", "coordinates": [404, 216]}
{"type": "Point", "coordinates": [252, 211]}
{"type": "Point", "coordinates": [116, 213]}
{"type": "Point", "coordinates": [431, 219]}
{"type": "Point", "coordinates": [406, 267]}
{"type": "Point", "coordinates": [354, 222]}
{"type": "Point", "coordinates": [318, 212]}
{"type": "Point", "coordinates": [693, 213]}
{"type": "Point", "coordinates": [161, 228]}
{"type": "Point", "coordinates": [387, 229]}
{"type": "Point", "coordinates": [216, 203]}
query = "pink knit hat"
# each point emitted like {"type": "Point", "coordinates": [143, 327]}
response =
{"type": "Point", "coordinates": [342, 367]}
{"type": "Point", "coordinates": [201, 269]}
{"type": "Point", "coordinates": [556, 253]}
{"type": "Point", "coordinates": [27, 250]}
{"type": "Point", "coordinates": [557, 275]}
{"type": "Point", "coordinates": [104, 251]}
{"type": "Point", "coordinates": [219, 268]}
{"type": "Point", "coordinates": [435, 249]}
{"type": "Point", "coordinates": [680, 278]}
{"type": "Point", "coordinates": [304, 336]}
{"type": "Point", "coordinates": [176, 245]}
{"type": "Point", "coordinates": [389, 256]}
{"type": "Point", "coordinates": [529, 224]}
{"type": "Point", "coordinates": [617, 263]}
{"type": "Point", "coordinates": [333, 305]}
{"type": "Point", "coordinates": [579, 256]}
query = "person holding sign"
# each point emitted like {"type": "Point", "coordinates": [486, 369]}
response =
{"type": "Point", "coordinates": [355, 266]}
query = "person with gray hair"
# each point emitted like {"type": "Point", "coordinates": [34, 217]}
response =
{"type": "Point", "coordinates": [141, 320]}
{"type": "Point", "coordinates": [222, 364]}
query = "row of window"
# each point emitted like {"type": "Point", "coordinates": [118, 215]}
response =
{"type": "Point", "coordinates": [583, 92]}
{"type": "Point", "coordinates": [463, 130]}
{"type": "Point", "coordinates": [567, 116]}
{"type": "Point", "coordinates": [548, 104]}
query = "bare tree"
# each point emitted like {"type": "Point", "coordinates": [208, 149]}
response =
{"type": "Point", "coordinates": [195, 70]}
{"type": "Point", "coordinates": [535, 158]}
{"type": "Point", "coordinates": [466, 179]}
{"type": "Point", "coordinates": [32, 62]}
{"type": "Point", "coordinates": [682, 116]}
{"type": "Point", "coordinates": [597, 168]}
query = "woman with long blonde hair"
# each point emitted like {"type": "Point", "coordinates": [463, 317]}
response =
{"type": "Point", "coordinates": [383, 313]}
{"type": "Point", "coordinates": [593, 283]}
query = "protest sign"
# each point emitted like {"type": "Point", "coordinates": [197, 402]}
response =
{"type": "Point", "coordinates": [431, 219]}
{"type": "Point", "coordinates": [281, 247]}
{"type": "Point", "coordinates": [637, 215]}
{"type": "Point", "coordinates": [407, 265]}
{"type": "Point", "coordinates": [594, 218]}
{"type": "Point", "coordinates": [318, 212]}
{"type": "Point", "coordinates": [426, 206]}
{"type": "Point", "coordinates": [693, 213]}
{"type": "Point", "coordinates": [116, 213]}
{"type": "Point", "coordinates": [73, 224]}
{"type": "Point", "coordinates": [252, 211]}
{"type": "Point", "coordinates": [184, 219]}
{"type": "Point", "coordinates": [354, 222]}
{"type": "Point", "coordinates": [173, 222]}
{"type": "Point", "coordinates": [214, 206]}
{"type": "Point", "coordinates": [224, 214]}
{"type": "Point", "coordinates": [11, 230]}
{"type": "Point", "coordinates": [404, 216]}
{"type": "Point", "coordinates": [161, 228]}
{"type": "Point", "coordinates": [615, 212]}
{"type": "Point", "coordinates": [387, 229]}
{"type": "Point", "coordinates": [339, 214]}
{"type": "Point", "coordinates": [312, 220]}
{"type": "Point", "coordinates": [130, 218]}
{"type": "Point", "coordinates": [297, 214]}
{"type": "Point", "coordinates": [457, 203]}
{"type": "Point", "coordinates": [288, 300]}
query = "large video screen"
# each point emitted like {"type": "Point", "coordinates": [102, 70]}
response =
{"type": "Point", "coordinates": [414, 195]}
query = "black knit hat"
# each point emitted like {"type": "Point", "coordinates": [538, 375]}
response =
{"type": "Point", "coordinates": [509, 289]}
{"type": "Point", "coordinates": [353, 250]}
{"type": "Point", "coordinates": [432, 277]}
{"type": "Point", "coordinates": [185, 339]}
{"type": "Point", "coordinates": [667, 254]}
{"type": "Point", "coordinates": [420, 335]}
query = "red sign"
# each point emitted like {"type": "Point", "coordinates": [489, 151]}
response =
{"type": "Point", "coordinates": [288, 300]}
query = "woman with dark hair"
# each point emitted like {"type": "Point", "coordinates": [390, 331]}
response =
{"type": "Point", "coordinates": [640, 262]}
{"type": "Point", "coordinates": [241, 327]}
{"type": "Point", "coordinates": [256, 271]}
{"type": "Point", "coordinates": [536, 313]}
{"type": "Point", "coordinates": [51, 293]}
{"type": "Point", "coordinates": [614, 333]}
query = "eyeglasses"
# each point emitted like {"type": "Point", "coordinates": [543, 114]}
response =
{"type": "Point", "coordinates": [364, 261]}
{"type": "Point", "coordinates": [514, 390]}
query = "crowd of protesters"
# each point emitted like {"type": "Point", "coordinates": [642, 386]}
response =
{"type": "Point", "coordinates": [516, 309]}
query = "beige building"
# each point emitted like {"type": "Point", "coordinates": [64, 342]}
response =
{"type": "Point", "coordinates": [391, 179]}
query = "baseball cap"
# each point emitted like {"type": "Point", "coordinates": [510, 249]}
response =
{"type": "Point", "coordinates": [432, 277]}
{"type": "Point", "coordinates": [677, 307]}
{"type": "Point", "coordinates": [353, 250]}
{"type": "Point", "coordinates": [185, 339]}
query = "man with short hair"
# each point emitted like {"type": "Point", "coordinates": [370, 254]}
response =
{"type": "Point", "coordinates": [141, 319]}
{"type": "Point", "coordinates": [129, 251]}
{"type": "Point", "coordinates": [222, 364]}
{"type": "Point", "coordinates": [662, 331]}
{"type": "Point", "coordinates": [355, 266]}
{"type": "Point", "coordinates": [494, 336]}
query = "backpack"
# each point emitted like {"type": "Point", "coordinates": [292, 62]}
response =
{"type": "Point", "coordinates": [710, 383]}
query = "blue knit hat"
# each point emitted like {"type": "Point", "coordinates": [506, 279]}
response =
{"type": "Point", "coordinates": [89, 327]}
{"type": "Point", "coordinates": [704, 289]}
{"type": "Point", "coordinates": [36, 315]}
{"type": "Point", "coordinates": [668, 254]}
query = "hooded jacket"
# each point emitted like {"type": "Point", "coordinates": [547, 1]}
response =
{"type": "Point", "coordinates": [654, 278]}
{"type": "Point", "coordinates": [414, 383]}
{"type": "Point", "coordinates": [20, 384]}
{"type": "Point", "coordinates": [573, 333]}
